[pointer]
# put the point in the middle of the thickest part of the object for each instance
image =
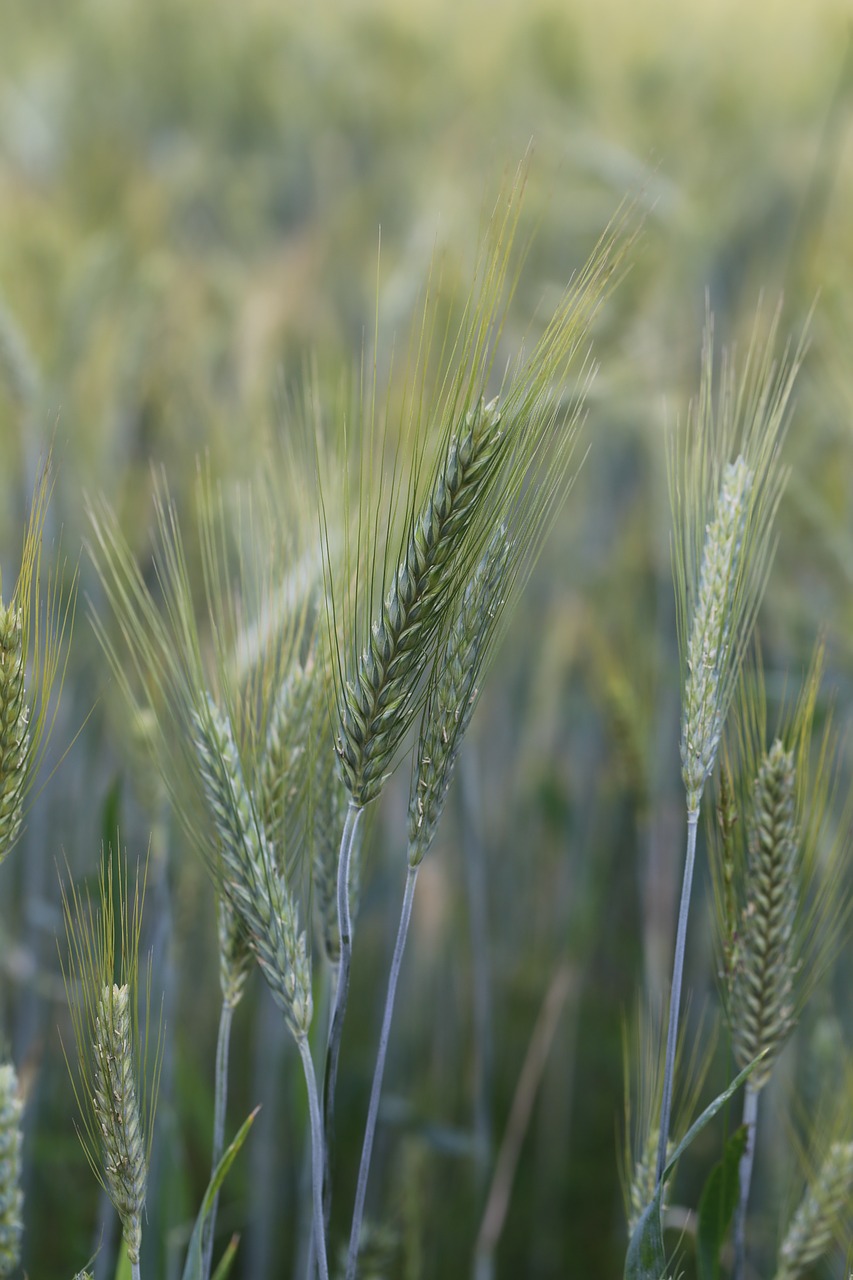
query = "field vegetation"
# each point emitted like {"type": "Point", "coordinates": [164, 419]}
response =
{"type": "Point", "coordinates": [426, 448]}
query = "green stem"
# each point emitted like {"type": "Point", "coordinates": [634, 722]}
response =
{"type": "Point", "coordinates": [219, 1108]}
{"type": "Point", "coordinates": [675, 995]}
{"type": "Point", "coordinates": [378, 1073]}
{"type": "Point", "coordinates": [333, 1049]}
{"type": "Point", "coordinates": [750, 1119]}
{"type": "Point", "coordinates": [317, 1162]}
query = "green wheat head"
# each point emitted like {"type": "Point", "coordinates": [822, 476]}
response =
{"type": "Point", "coordinates": [453, 694]}
{"type": "Point", "coordinates": [125, 1166]}
{"type": "Point", "coordinates": [824, 1212]}
{"type": "Point", "coordinates": [218, 681]}
{"type": "Point", "coordinates": [116, 1071]}
{"type": "Point", "coordinates": [819, 1214]}
{"type": "Point", "coordinates": [465, 461]}
{"type": "Point", "coordinates": [726, 480]}
{"type": "Point", "coordinates": [236, 959]}
{"type": "Point", "coordinates": [762, 1008]}
{"type": "Point", "coordinates": [643, 1051]}
{"type": "Point", "coordinates": [256, 889]}
{"type": "Point", "coordinates": [778, 866]}
{"type": "Point", "coordinates": [35, 625]}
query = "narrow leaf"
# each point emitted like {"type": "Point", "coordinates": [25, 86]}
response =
{"type": "Point", "coordinates": [194, 1268]}
{"type": "Point", "coordinates": [717, 1204]}
{"type": "Point", "coordinates": [226, 1262]}
{"type": "Point", "coordinates": [646, 1259]}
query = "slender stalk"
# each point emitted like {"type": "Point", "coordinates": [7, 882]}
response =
{"type": "Point", "coordinates": [379, 1071]}
{"type": "Point", "coordinates": [675, 995]}
{"type": "Point", "coordinates": [219, 1107]}
{"type": "Point", "coordinates": [476, 879]}
{"type": "Point", "coordinates": [317, 1163]}
{"type": "Point", "coordinates": [750, 1119]}
{"type": "Point", "coordinates": [336, 1026]}
{"type": "Point", "coordinates": [135, 1272]}
{"type": "Point", "coordinates": [562, 985]}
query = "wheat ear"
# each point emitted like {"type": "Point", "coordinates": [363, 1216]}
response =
{"type": "Point", "coordinates": [118, 1071]}
{"type": "Point", "coordinates": [258, 893]}
{"type": "Point", "coordinates": [708, 650]}
{"type": "Point", "coordinates": [11, 1196]}
{"type": "Point", "coordinates": [14, 718]}
{"type": "Point", "coordinates": [377, 700]}
{"type": "Point", "coordinates": [447, 714]}
{"type": "Point", "coordinates": [819, 1214]}
{"type": "Point", "coordinates": [117, 1112]}
{"type": "Point", "coordinates": [762, 1002]}
{"type": "Point", "coordinates": [706, 700]}
{"type": "Point", "coordinates": [256, 890]}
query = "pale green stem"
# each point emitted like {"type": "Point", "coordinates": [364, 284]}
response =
{"type": "Point", "coordinates": [305, 1252]}
{"type": "Point", "coordinates": [750, 1119]}
{"type": "Point", "coordinates": [675, 994]}
{"type": "Point", "coordinates": [135, 1272]}
{"type": "Point", "coordinates": [336, 1026]}
{"type": "Point", "coordinates": [317, 1162]}
{"type": "Point", "coordinates": [219, 1107]}
{"type": "Point", "coordinates": [378, 1073]}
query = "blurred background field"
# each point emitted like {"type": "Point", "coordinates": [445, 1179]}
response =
{"type": "Point", "coordinates": [191, 197]}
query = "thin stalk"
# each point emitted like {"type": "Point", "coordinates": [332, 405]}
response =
{"type": "Point", "coordinates": [317, 1163]}
{"type": "Point", "coordinates": [561, 986]}
{"type": "Point", "coordinates": [304, 1261]}
{"type": "Point", "coordinates": [336, 1026]}
{"type": "Point", "coordinates": [750, 1119]}
{"type": "Point", "coordinates": [135, 1272]}
{"type": "Point", "coordinates": [219, 1108]}
{"type": "Point", "coordinates": [477, 886]}
{"type": "Point", "coordinates": [379, 1071]}
{"type": "Point", "coordinates": [675, 995]}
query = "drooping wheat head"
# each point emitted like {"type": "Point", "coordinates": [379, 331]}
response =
{"type": "Point", "coordinates": [474, 461]}
{"type": "Point", "coordinates": [377, 703]}
{"type": "Point", "coordinates": [11, 1195]}
{"type": "Point", "coordinates": [256, 889]}
{"type": "Point", "coordinates": [453, 693]}
{"type": "Point", "coordinates": [167, 647]}
{"type": "Point", "coordinates": [236, 958]}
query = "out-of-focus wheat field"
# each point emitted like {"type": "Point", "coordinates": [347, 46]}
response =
{"type": "Point", "coordinates": [206, 207]}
